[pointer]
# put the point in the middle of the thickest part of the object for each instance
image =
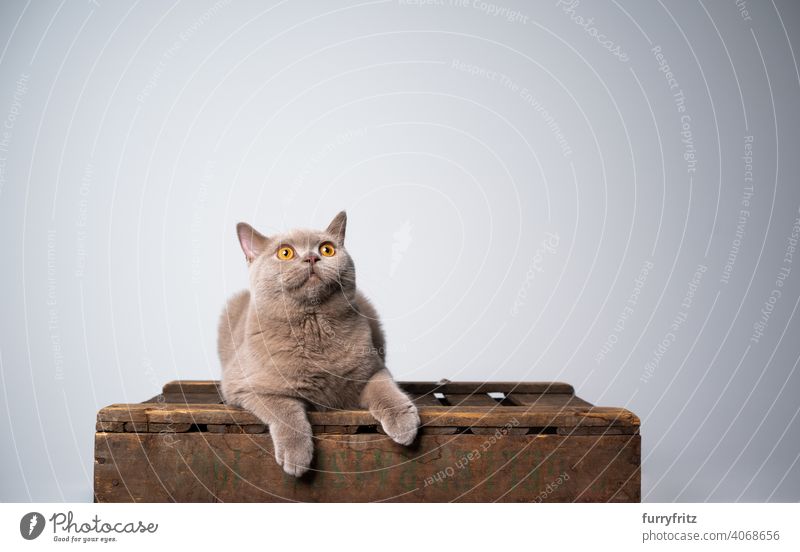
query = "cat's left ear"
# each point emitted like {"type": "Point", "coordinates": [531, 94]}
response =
{"type": "Point", "coordinates": [338, 226]}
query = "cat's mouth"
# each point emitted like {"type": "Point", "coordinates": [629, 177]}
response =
{"type": "Point", "coordinates": [312, 277]}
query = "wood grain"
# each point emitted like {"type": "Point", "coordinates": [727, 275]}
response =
{"type": "Point", "coordinates": [460, 416]}
{"type": "Point", "coordinates": [417, 387]}
{"type": "Point", "coordinates": [538, 442]}
{"type": "Point", "coordinates": [223, 467]}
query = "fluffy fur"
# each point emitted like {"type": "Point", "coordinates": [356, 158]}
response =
{"type": "Point", "coordinates": [303, 337]}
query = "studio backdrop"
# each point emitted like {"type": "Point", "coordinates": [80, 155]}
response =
{"type": "Point", "coordinates": [599, 193]}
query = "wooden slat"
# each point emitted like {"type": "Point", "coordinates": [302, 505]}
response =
{"type": "Point", "coordinates": [415, 387]}
{"type": "Point", "coordinates": [187, 398]}
{"type": "Point", "coordinates": [546, 399]}
{"type": "Point", "coordinates": [111, 427]}
{"type": "Point", "coordinates": [425, 399]}
{"type": "Point", "coordinates": [191, 386]}
{"type": "Point", "coordinates": [136, 427]}
{"type": "Point", "coordinates": [249, 429]}
{"type": "Point", "coordinates": [487, 387]}
{"type": "Point", "coordinates": [168, 428]}
{"type": "Point", "coordinates": [599, 430]}
{"type": "Point", "coordinates": [124, 413]}
{"type": "Point", "coordinates": [481, 399]}
{"type": "Point", "coordinates": [462, 416]}
{"type": "Point", "coordinates": [338, 429]}
{"type": "Point", "coordinates": [470, 399]}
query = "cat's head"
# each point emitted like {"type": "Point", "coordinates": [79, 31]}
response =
{"type": "Point", "coordinates": [306, 267]}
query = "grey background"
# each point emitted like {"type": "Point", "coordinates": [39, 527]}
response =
{"type": "Point", "coordinates": [460, 140]}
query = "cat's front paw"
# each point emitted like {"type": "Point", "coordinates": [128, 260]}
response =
{"type": "Point", "coordinates": [401, 423]}
{"type": "Point", "coordinates": [294, 455]}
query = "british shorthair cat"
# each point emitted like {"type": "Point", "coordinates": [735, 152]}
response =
{"type": "Point", "coordinates": [303, 337]}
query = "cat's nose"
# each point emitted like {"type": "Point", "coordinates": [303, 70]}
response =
{"type": "Point", "coordinates": [311, 258]}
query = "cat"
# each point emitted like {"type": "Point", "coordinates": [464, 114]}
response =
{"type": "Point", "coordinates": [303, 337]}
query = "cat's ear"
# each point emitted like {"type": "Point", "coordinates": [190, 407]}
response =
{"type": "Point", "coordinates": [338, 226]}
{"type": "Point", "coordinates": [251, 241]}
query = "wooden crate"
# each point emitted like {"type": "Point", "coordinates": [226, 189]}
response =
{"type": "Point", "coordinates": [479, 442]}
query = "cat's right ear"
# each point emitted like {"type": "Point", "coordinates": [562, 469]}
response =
{"type": "Point", "coordinates": [251, 241]}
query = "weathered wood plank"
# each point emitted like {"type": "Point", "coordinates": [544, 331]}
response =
{"type": "Point", "coordinates": [479, 399]}
{"type": "Point", "coordinates": [124, 413]}
{"type": "Point", "coordinates": [136, 427]}
{"type": "Point", "coordinates": [168, 428]}
{"type": "Point", "coordinates": [416, 387]}
{"type": "Point", "coordinates": [111, 427]}
{"type": "Point", "coordinates": [546, 399]}
{"type": "Point", "coordinates": [470, 399]}
{"type": "Point", "coordinates": [248, 429]}
{"type": "Point", "coordinates": [212, 467]}
{"type": "Point", "coordinates": [425, 399]}
{"type": "Point", "coordinates": [461, 416]}
{"type": "Point", "coordinates": [191, 386]}
{"type": "Point", "coordinates": [487, 387]}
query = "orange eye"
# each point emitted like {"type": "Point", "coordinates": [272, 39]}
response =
{"type": "Point", "coordinates": [285, 253]}
{"type": "Point", "coordinates": [327, 249]}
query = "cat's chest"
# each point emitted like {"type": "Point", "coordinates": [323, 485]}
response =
{"type": "Point", "coordinates": [325, 362]}
{"type": "Point", "coordinates": [319, 338]}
